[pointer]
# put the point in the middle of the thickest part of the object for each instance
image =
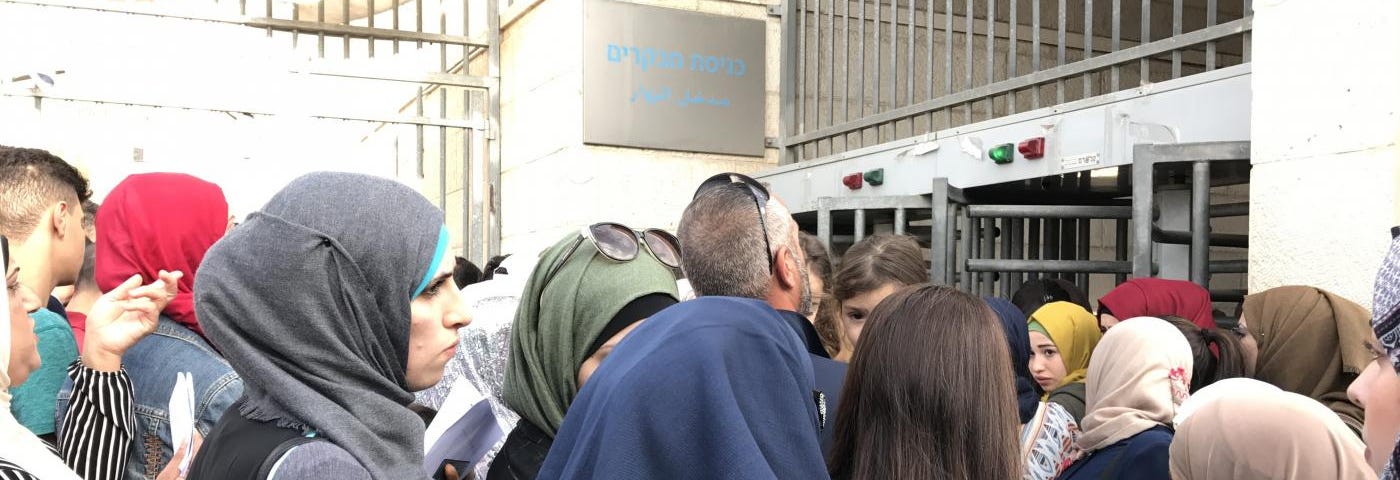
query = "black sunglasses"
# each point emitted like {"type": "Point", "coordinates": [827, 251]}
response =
{"type": "Point", "coordinates": [622, 244]}
{"type": "Point", "coordinates": [756, 190]}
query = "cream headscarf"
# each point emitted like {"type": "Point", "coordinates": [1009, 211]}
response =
{"type": "Point", "coordinates": [20, 446]}
{"type": "Point", "coordinates": [1138, 377]}
{"type": "Point", "coordinates": [1251, 433]}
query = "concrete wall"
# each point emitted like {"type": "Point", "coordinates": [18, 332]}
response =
{"type": "Point", "coordinates": [552, 183]}
{"type": "Point", "coordinates": [1325, 129]}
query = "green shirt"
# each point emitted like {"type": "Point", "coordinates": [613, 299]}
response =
{"type": "Point", "coordinates": [35, 401]}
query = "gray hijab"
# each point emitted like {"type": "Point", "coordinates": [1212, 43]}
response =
{"type": "Point", "coordinates": [309, 300]}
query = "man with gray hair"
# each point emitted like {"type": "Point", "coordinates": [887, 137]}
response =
{"type": "Point", "coordinates": [737, 240]}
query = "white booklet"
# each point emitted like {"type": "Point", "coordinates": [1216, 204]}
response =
{"type": "Point", "coordinates": [463, 430]}
{"type": "Point", "coordinates": [182, 417]}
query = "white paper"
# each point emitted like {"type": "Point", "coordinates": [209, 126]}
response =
{"type": "Point", "coordinates": [182, 417]}
{"type": "Point", "coordinates": [463, 430]}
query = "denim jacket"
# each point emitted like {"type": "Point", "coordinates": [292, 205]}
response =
{"type": "Point", "coordinates": [152, 364]}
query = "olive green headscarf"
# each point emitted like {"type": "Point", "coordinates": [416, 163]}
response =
{"type": "Point", "coordinates": [557, 322]}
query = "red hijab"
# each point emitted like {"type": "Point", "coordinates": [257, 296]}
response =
{"type": "Point", "coordinates": [1154, 297]}
{"type": "Point", "coordinates": [159, 221]}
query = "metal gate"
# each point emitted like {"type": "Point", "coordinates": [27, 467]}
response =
{"type": "Point", "coordinates": [989, 240]}
{"type": "Point", "coordinates": [441, 59]}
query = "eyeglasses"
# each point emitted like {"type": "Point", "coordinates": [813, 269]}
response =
{"type": "Point", "coordinates": [5, 253]}
{"type": "Point", "coordinates": [760, 198]}
{"type": "Point", "coordinates": [622, 244]}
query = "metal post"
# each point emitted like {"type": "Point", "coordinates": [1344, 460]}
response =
{"type": "Point", "coordinates": [1120, 247]}
{"type": "Point", "coordinates": [1018, 252]}
{"type": "Point", "coordinates": [1088, 52]}
{"type": "Point", "coordinates": [824, 222]}
{"type": "Point", "coordinates": [789, 80]}
{"type": "Point", "coordinates": [941, 233]}
{"type": "Point", "coordinates": [969, 234]}
{"type": "Point", "coordinates": [968, 61]}
{"type": "Point", "coordinates": [1176, 32]}
{"type": "Point", "coordinates": [1200, 223]}
{"type": "Point", "coordinates": [1035, 50]}
{"type": "Point", "coordinates": [1142, 214]}
{"type": "Point", "coordinates": [1060, 52]}
{"type": "Point", "coordinates": [1083, 278]}
{"type": "Point", "coordinates": [899, 221]}
{"type": "Point", "coordinates": [1006, 241]}
{"type": "Point", "coordinates": [860, 224]}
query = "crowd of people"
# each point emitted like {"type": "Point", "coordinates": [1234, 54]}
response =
{"type": "Point", "coordinates": [319, 337]}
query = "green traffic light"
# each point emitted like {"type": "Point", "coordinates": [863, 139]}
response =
{"type": "Point", "coordinates": [1003, 153]}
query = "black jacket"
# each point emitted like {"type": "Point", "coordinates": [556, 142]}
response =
{"type": "Point", "coordinates": [829, 374]}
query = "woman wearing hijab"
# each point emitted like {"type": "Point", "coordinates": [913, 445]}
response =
{"type": "Point", "coordinates": [1311, 342]}
{"type": "Point", "coordinates": [1063, 336]}
{"type": "Point", "coordinates": [715, 387]}
{"type": "Point", "coordinates": [1155, 297]}
{"type": "Point", "coordinates": [1140, 375]}
{"type": "Point", "coordinates": [333, 303]}
{"type": "Point", "coordinates": [1036, 293]}
{"type": "Point", "coordinates": [1048, 432]}
{"type": "Point", "coordinates": [1377, 389]}
{"type": "Point", "coordinates": [1239, 436]}
{"type": "Point", "coordinates": [149, 223]}
{"type": "Point", "coordinates": [1216, 354]}
{"type": "Point", "coordinates": [96, 432]}
{"type": "Point", "coordinates": [917, 403]}
{"type": "Point", "coordinates": [574, 312]}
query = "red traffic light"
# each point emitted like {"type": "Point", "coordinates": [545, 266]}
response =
{"type": "Point", "coordinates": [1033, 148]}
{"type": "Point", "coordinates": [853, 181]}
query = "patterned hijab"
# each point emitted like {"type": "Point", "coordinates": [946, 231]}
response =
{"type": "Point", "coordinates": [1386, 324]}
{"type": "Point", "coordinates": [1139, 377]}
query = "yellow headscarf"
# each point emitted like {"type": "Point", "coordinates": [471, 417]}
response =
{"type": "Point", "coordinates": [1075, 332]}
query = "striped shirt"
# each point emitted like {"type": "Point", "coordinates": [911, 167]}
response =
{"type": "Point", "coordinates": [97, 428]}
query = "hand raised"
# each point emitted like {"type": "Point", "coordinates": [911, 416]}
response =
{"type": "Point", "coordinates": [120, 318]}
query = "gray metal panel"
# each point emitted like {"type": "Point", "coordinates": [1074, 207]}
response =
{"type": "Point", "coordinates": [672, 79]}
{"type": "Point", "coordinates": [860, 224]}
{"type": "Point", "coordinates": [1142, 217]}
{"type": "Point", "coordinates": [941, 236]}
{"type": "Point", "coordinates": [1048, 266]}
{"type": "Point", "coordinates": [1050, 211]}
{"type": "Point", "coordinates": [1200, 223]}
{"type": "Point", "coordinates": [787, 104]}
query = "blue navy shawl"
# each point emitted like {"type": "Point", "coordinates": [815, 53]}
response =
{"type": "Point", "coordinates": [710, 388]}
{"type": "Point", "coordinates": [1013, 321]}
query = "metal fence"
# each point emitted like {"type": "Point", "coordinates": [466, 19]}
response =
{"type": "Point", "coordinates": [858, 73]}
{"type": "Point", "coordinates": [442, 58]}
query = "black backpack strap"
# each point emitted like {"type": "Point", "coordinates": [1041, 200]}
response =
{"type": "Point", "coordinates": [281, 451]}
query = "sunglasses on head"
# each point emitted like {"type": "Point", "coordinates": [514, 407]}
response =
{"type": "Point", "coordinates": [621, 243]}
{"type": "Point", "coordinates": [756, 190]}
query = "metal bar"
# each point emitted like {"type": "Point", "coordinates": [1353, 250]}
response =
{"type": "Point", "coordinates": [1176, 30]}
{"type": "Point", "coordinates": [859, 224]}
{"type": "Point", "coordinates": [899, 221]}
{"type": "Point", "coordinates": [466, 189]}
{"type": "Point", "coordinates": [320, 34]}
{"type": "Point", "coordinates": [1248, 40]}
{"type": "Point", "coordinates": [1043, 76]}
{"type": "Point", "coordinates": [1200, 223]}
{"type": "Point", "coordinates": [1120, 246]}
{"type": "Point", "coordinates": [371, 55]}
{"type": "Point", "coordinates": [1006, 241]}
{"type": "Point", "coordinates": [1051, 211]}
{"type": "Point", "coordinates": [1051, 247]}
{"type": "Point", "coordinates": [941, 231]}
{"type": "Point", "coordinates": [846, 60]}
{"type": "Point", "coordinates": [831, 70]}
{"type": "Point", "coordinates": [1142, 214]}
{"type": "Point", "coordinates": [1116, 73]}
{"type": "Point", "coordinates": [418, 20]}
{"type": "Point", "coordinates": [1145, 37]}
{"type": "Point", "coordinates": [1035, 51]}
{"type": "Point", "coordinates": [1231, 295]}
{"type": "Point", "coordinates": [1083, 243]}
{"type": "Point", "coordinates": [396, 25]}
{"type": "Point", "coordinates": [268, 9]}
{"type": "Point", "coordinates": [878, 43]}
{"type": "Point", "coordinates": [1060, 52]}
{"type": "Point", "coordinates": [1068, 227]}
{"type": "Point", "coordinates": [431, 78]}
{"type": "Point", "coordinates": [969, 234]}
{"type": "Point", "coordinates": [492, 202]}
{"type": "Point", "coordinates": [801, 73]}
{"type": "Point", "coordinates": [345, 17]}
{"type": "Point", "coordinates": [989, 250]}
{"type": "Point", "coordinates": [1229, 210]}
{"type": "Point", "coordinates": [824, 223]}
{"type": "Point", "coordinates": [788, 126]}
{"type": "Point", "coordinates": [968, 62]}
{"type": "Point", "coordinates": [817, 68]}
{"type": "Point", "coordinates": [1210, 22]}
{"type": "Point", "coordinates": [948, 51]}
{"type": "Point", "coordinates": [909, 64]}
{"type": "Point", "coordinates": [1033, 235]}
{"type": "Point", "coordinates": [442, 163]}
{"type": "Point", "coordinates": [363, 32]}
{"type": "Point", "coordinates": [1018, 251]}
{"type": "Point", "coordinates": [1228, 266]}
{"type": "Point", "coordinates": [1088, 52]}
{"type": "Point", "coordinates": [894, 55]}
{"type": "Point", "coordinates": [929, 79]}
{"type": "Point", "coordinates": [861, 93]}
{"type": "Point", "coordinates": [1011, 62]}
{"type": "Point", "coordinates": [951, 262]}
{"type": "Point", "coordinates": [1182, 237]}
{"type": "Point", "coordinates": [1191, 152]}
{"type": "Point", "coordinates": [991, 54]}
{"type": "Point", "coordinates": [1048, 266]}
{"type": "Point", "coordinates": [974, 226]}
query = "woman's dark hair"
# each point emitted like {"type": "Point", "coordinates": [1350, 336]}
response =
{"type": "Point", "coordinates": [492, 265]}
{"type": "Point", "coordinates": [1036, 293]}
{"type": "Point", "coordinates": [929, 393]}
{"type": "Point", "coordinates": [819, 264]}
{"type": "Point", "coordinates": [877, 261]}
{"type": "Point", "coordinates": [465, 273]}
{"type": "Point", "coordinates": [1207, 366]}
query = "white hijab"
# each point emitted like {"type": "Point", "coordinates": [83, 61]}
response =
{"type": "Point", "coordinates": [22, 447]}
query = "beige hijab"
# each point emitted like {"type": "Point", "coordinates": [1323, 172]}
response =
{"type": "Point", "coordinates": [1139, 375]}
{"type": "Point", "coordinates": [1249, 434]}
{"type": "Point", "coordinates": [19, 446]}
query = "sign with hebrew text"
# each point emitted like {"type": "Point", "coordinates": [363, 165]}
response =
{"type": "Point", "coordinates": [672, 79]}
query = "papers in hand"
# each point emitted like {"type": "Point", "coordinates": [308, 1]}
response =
{"type": "Point", "coordinates": [182, 417]}
{"type": "Point", "coordinates": [463, 430]}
